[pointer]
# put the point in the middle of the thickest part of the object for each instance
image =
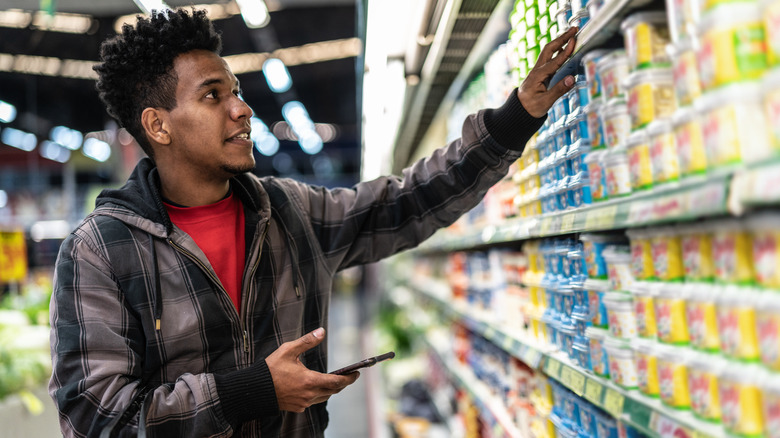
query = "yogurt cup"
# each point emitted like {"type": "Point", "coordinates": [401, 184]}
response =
{"type": "Point", "coordinates": [620, 311]}
{"type": "Point", "coordinates": [732, 252]}
{"type": "Point", "coordinates": [765, 233]}
{"type": "Point", "coordinates": [618, 174]}
{"type": "Point", "coordinates": [673, 377]}
{"type": "Point", "coordinates": [770, 11]}
{"type": "Point", "coordinates": [618, 260]}
{"type": "Point", "coordinates": [646, 367]}
{"type": "Point", "coordinates": [589, 61]}
{"type": "Point", "coordinates": [594, 6]}
{"type": "Point", "coordinates": [613, 69]}
{"type": "Point", "coordinates": [606, 426]}
{"type": "Point", "coordinates": [579, 190]}
{"type": "Point", "coordinates": [644, 309]}
{"type": "Point", "coordinates": [562, 17]}
{"type": "Point", "coordinates": [641, 254]}
{"type": "Point", "coordinates": [737, 323]}
{"type": "Point", "coordinates": [663, 152]}
{"type": "Point", "coordinates": [696, 245]}
{"type": "Point", "coordinates": [683, 15]}
{"type": "Point", "coordinates": [739, 388]}
{"type": "Point", "coordinates": [770, 398]}
{"type": "Point", "coordinates": [639, 163]}
{"type": "Point", "coordinates": [703, 373]}
{"type": "Point", "coordinates": [596, 175]}
{"type": "Point", "coordinates": [593, 247]}
{"type": "Point", "coordinates": [732, 44]}
{"type": "Point", "coordinates": [577, 153]}
{"type": "Point", "coordinates": [598, 355]}
{"type": "Point", "coordinates": [616, 122]}
{"type": "Point", "coordinates": [666, 250]}
{"type": "Point", "coordinates": [650, 95]}
{"type": "Point", "coordinates": [688, 136]}
{"type": "Point", "coordinates": [593, 120]}
{"type": "Point", "coordinates": [579, 19]}
{"type": "Point", "coordinates": [646, 35]}
{"type": "Point", "coordinates": [768, 328]}
{"type": "Point", "coordinates": [578, 128]}
{"type": "Point", "coordinates": [701, 312]}
{"type": "Point", "coordinates": [685, 72]}
{"type": "Point", "coordinates": [622, 365]}
{"type": "Point", "coordinates": [597, 311]}
{"type": "Point", "coordinates": [578, 96]}
{"type": "Point", "coordinates": [670, 315]}
{"type": "Point", "coordinates": [771, 91]}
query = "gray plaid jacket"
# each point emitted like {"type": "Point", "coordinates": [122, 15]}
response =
{"type": "Point", "coordinates": [127, 268]}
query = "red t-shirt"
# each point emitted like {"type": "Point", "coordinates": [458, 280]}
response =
{"type": "Point", "coordinates": [218, 229]}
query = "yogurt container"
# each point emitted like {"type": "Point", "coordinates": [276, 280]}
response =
{"type": "Point", "coordinates": [685, 72]}
{"type": "Point", "coordinates": [646, 366]}
{"type": "Point", "coordinates": [701, 312]}
{"type": "Point", "coordinates": [734, 125]}
{"type": "Point", "coordinates": [562, 17]}
{"type": "Point", "coordinates": [703, 372]}
{"type": "Point", "coordinates": [594, 6]}
{"type": "Point", "coordinates": [639, 163]}
{"type": "Point", "coordinates": [739, 388]}
{"type": "Point", "coordinates": [594, 246]}
{"type": "Point", "coordinates": [641, 254]}
{"type": "Point", "coordinates": [613, 69]}
{"type": "Point", "coordinates": [683, 15]}
{"type": "Point", "coordinates": [771, 91]}
{"type": "Point", "coordinates": [622, 366]}
{"type": "Point", "coordinates": [620, 312]}
{"type": "Point", "coordinates": [582, 352]}
{"type": "Point", "coordinates": [670, 315]}
{"type": "Point", "coordinates": [696, 245]}
{"type": "Point", "coordinates": [606, 426]}
{"type": "Point", "coordinates": [578, 128]}
{"type": "Point", "coordinates": [768, 328]}
{"type": "Point", "coordinates": [644, 309]}
{"type": "Point", "coordinates": [650, 95]}
{"type": "Point", "coordinates": [770, 398]}
{"type": "Point", "coordinates": [618, 260]}
{"type": "Point", "coordinates": [579, 190]}
{"type": "Point", "coordinates": [618, 174]}
{"type": "Point", "coordinates": [732, 44]}
{"type": "Point", "coordinates": [737, 323]}
{"type": "Point", "coordinates": [597, 179]}
{"type": "Point", "coordinates": [560, 110]}
{"type": "Point", "coordinates": [576, 155]}
{"type": "Point", "coordinates": [666, 250]}
{"type": "Point", "coordinates": [765, 233]}
{"type": "Point", "coordinates": [579, 19]}
{"type": "Point", "coordinates": [598, 355]}
{"type": "Point", "coordinates": [578, 96]}
{"type": "Point", "coordinates": [597, 311]}
{"type": "Point", "coordinates": [673, 377]}
{"type": "Point", "coordinates": [616, 122]}
{"type": "Point", "coordinates": [663, 152]}
{"type": "Point", "coordinates": [593, 121]}
{"type": "Point", "coordinates": [770, 11]}
{"type": "Point", "coordinates": [589, 61]}
{"type": "Point", "coordinates": [688, 136]}
{"type": "Point", "coordinates": [646, 35]}
{"type": "Point", "coordinates": [732, 252]}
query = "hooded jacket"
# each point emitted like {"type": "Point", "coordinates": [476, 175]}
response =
{"type": "Point", "coordinates": [144, 336]}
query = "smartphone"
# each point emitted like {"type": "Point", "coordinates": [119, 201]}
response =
{"type": "Point", "coordinates": [365, 363]}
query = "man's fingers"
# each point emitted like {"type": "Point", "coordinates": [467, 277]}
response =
{"type": "Point", "coordinates": [558, 90]}
{"type": "Point", "coordinates": [306, 342]}
{"type": "Point", "coordinates": [555, 45]}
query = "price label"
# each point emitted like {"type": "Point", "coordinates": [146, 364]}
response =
{"type": "Point", "coordinates": [593, 391]}
{"type": "Point", "coordinates": [567, 222]}
{"type": "Point", "coordinates": [591, 219]}
{"type": "Point", "coordinates": [508, 343]}
{"type": "Point", "coordinates": [565, 376]}
{"type": "Point", "coordinates": [489, 332]}
{"type": "Point", "coordinates": [553, 368]}
{"type": "Point", "coordinates": [545, 226]}
{"type": "Point", "coordinates": [576, 382]}
{"type": "Point", "coordinates": [607, 217]}
{"type": "Point", "coordinates": [613, 402]}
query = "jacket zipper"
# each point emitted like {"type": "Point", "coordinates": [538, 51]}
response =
{"type": "Point", "coordinates": [252, 274]}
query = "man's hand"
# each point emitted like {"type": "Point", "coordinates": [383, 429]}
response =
{"type": "Point", "coordinates": [533, 92]}
{"type": "Point", "coordinates": [298, 387]}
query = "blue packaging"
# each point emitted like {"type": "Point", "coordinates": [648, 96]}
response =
{"type": "Point", "coordinates": [582, 352]}
{"type": "Point", "coordinates": [587, 418]}
{"type": "Point", "coordinates": [579, 189]}
{"type": "Point", "coordinates": [578, 96]}
{"type": "Point", "coordinates": [606, 426]}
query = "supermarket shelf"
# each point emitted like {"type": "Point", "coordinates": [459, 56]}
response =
{"type": "Point", "coordinates": [647, 414]}
{"type": "Point", "coordinates": [729, 191]}
{"type": "Point", "coordinates": [601, 31]}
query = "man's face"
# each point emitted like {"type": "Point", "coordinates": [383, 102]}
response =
{"type": "Point", "coordinates": [210, 125]}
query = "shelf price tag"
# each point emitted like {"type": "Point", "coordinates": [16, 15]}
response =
{"type": "Point", "coordinates": [591, 219]}
{"type": "Point", "coordinates": [567, 222]}
{"type": "Point", "coordinates": [607, 217]}
{"type": "Point", "coordinates": [553, 368]}
{"type": "Point", "coordinates": [593, 391]}
{"type": "Point", "coordinates": [576, 382]}
{"type": "Point", "coordinates": [613, 402]}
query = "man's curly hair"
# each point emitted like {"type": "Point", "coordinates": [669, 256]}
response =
{"type": "Point", "coordinates": [137, 66]}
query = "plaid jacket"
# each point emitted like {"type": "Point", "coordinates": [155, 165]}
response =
{"type": "Point", "coordinates": [138, 309]}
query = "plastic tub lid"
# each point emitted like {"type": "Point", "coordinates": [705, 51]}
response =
{"type": "Point", "coordinates": [615, 107]}
{"type": "Point", "coordinates": [769, 301]}
{"type": "Point", "coordinates": [731, 94]}
{"type": "Point", "coordinates": [643, 289]}
{"type": "Point", "coordinates": [593, 107]}
{"type": "Point", "coordinates": [673, 354]}
{"type": "Point", "coordinates": [617, 254]}
{"type": "Point", "coordinates": [575, 118]}
{"type": "Point", "coordinates": [617, 155]}
{"type": "Point", "coordinates": [594, 285]}
{"type": "Point", "coordinates": [771, 79]}
{"type": "Point", "coordinates": [611, 59]}
{"type": "Point", "coordinates": [560, 156]}
{"type": "Point", "coordinates": [745, 374]}
{"type": "Point", "coordinates": [706, 362]}
{"type": "Point", "coordinates": [578, 148]}
{"type": "Point", "coordinates": [582, 13]}
{"type": "Point", "coordinates": [578, 180]}
{"type": "Point", "coordinates": [595, 156]}
{"type": "Point", "coordinates": [637, 138]}
{"type": "Point", "coordinates": [651, 17]}
{"type": "Point", "coordinates": [683, 115]}
{"type": "Point", "coordinates": [659, 127]}
{"type": "Point", "coordinates": [739, 296]}
{"type": "Point", "coordinates": [730, 14]}
{"type": "Point", "coordinates": [594, 55]}
{"type": "Point", "coordinates": [649, 75]}
{"type": "Point", "coordinates": [644, 346]}
{"type": "Point", "coordinates": [671, 290]}
{"type": "Point", "coordinates": [617, 300]}
{"type": "Point", "coordinates": [595, 333]}
{"type": "Point", "coordinates": [704, 292]}
{"type": "Point", "coordinates": [618, 347]}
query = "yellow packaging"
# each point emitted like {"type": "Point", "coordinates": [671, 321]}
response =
{"type": "Point", "coordinates": [691, 155]}
{"type": "Point", "coordinates": [768, 321]}
{"type": "Point", "coordinates": [650, 96]}
{"type": "Point", "coordinates": [641, 254]}
{"type": "Point", "coordinates": [667, 254]}
{"type": "Point", "coordinates": [770, 396]}
{"type": "Point", "coordinates": [696, 244]}
{"type": "Point", "coordinates": [639, 164]}
{"type": "Point", "coordinates": [670, 315]}
{"type": "Point", "coordinates": [646, 367]}
{"type": "Point", "coordinates": [733, 48]}
{"type": "Point", "coordinates": [645, 35]}
{"type": "Point", "coordinates": [770, 10]}
{"type": "Point", "coordinates": [673, 378]}
{"type": "Point", "coordinates": [644, 309]}
{"type": "Point", "coordinates": [771, 89]}
{"type": "Point", "coordinates": [765, 231]}
{"type": "Point", "coordinates": [702, 316]}
{"type": "Point", "coordinates": [737, 323]}
{"type": "Point", "coordinates": [703, 372]}
{"type": "Point", "coordinates": [663, 152]}
{"type": "Point", "coordinates": [740, 398]}
{"type": "Point", "coordinates": [732, 252]}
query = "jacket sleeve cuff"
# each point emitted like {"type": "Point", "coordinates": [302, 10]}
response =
{"type": "Point", "coordinates": [511, 125]}
{"type": "Point", "coordinates": [247, 394]}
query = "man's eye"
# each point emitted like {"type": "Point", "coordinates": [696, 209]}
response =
{"type": "Point", "coordinates": [212, 94]}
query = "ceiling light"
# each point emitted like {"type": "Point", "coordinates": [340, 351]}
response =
{"type": "Point", "coordinates": [151, 5]}
{"type": "Point", "coordinates": [96, 149]}
{"type": "Point", "coordinates": [54, 151]}
{"type": "Point", "coordinates": [254, 12]}
{"type": "Point", "coordinates": [310, 142]}
{"type": "Point", "coordinates": [69, 138]}
{"type": "Point", "coordinates": [265, 142]}
{"type": "Point", "coordinates": [7, 112]}
{"type": "Point", "coordinates": [298, 118]}
{"type": "Point", "coordinates": [15, 18]}
{"type": "Point", "coordinates": [3, 198]}
{"type": "Point", "coordinates": [276, 75]}
{"type": "Point", "coordinates": [49, 230]}
{"type": "Point", "coordinates": [61, 22]}
{"type": "Point", "coordinates": [19, 139]}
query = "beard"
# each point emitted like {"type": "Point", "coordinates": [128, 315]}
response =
{"type": "Point", "coordinates": [238, 169]}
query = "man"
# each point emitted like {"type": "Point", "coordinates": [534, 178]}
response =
{"type": "Point", "coordinates": [190, 301]}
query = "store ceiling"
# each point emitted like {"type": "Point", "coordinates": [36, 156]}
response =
{"type": "Point", "coordinates": [328, 89]}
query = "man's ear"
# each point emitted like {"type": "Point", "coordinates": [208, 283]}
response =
{"type": "Point", "coordinates": [154, 122]}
